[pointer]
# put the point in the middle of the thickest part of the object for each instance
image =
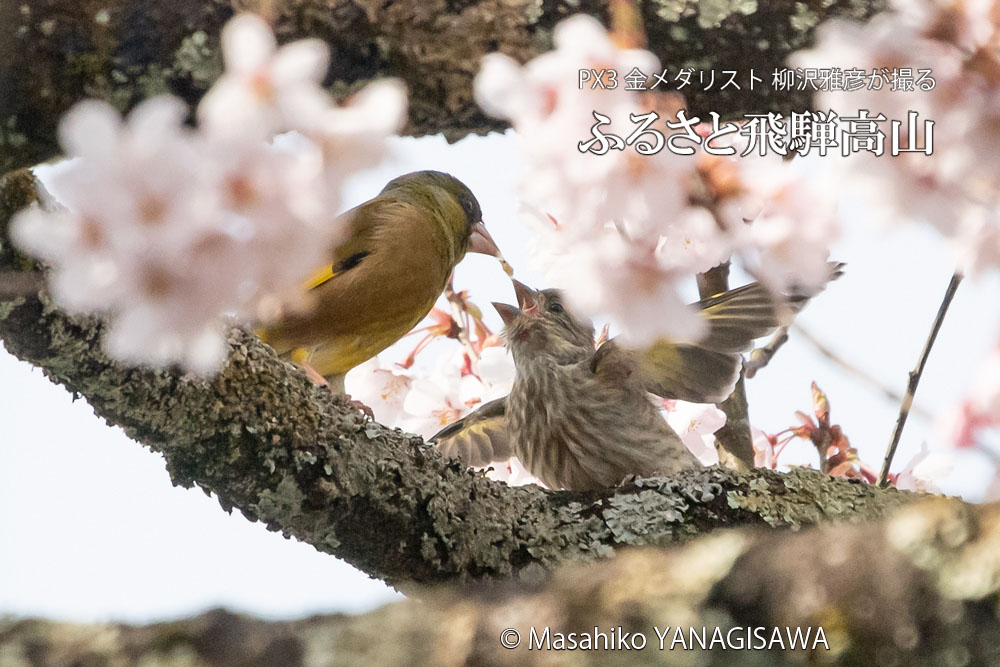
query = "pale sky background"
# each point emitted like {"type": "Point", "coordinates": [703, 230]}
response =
{"type": "Point", "coordinates": [92, 530]}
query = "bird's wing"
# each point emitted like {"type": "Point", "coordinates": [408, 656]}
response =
{"type": "Point", "coordinates": [707, 372]}
{"type": "Point", "coordinates": [359, 236]}
{"type": "Point", "coordinates": [479, 438]}
{"type": "Point", "coordinates": [737, 317]}
{"type": "Point", "coordinates": [688, 372]}
{"type": "Point", "coordinates": [383, 279]}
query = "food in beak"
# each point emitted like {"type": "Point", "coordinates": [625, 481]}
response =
{"type": "Point", "coordinates": [480, 241]}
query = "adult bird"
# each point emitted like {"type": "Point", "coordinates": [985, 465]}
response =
{"type": "Point", "coordinates": [396, 259]}
{"type": "Point", "coordinates": [581, 418]}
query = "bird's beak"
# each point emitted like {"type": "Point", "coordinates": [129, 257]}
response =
{"type": "Point", "coordinates": [527, 298]}
{"type": "Point", "coordinates": [480, 241]}
{"type": "Point", "coordinates": [507, 312]}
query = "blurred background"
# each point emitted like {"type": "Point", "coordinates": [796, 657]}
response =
{"type": "Point", "coordinates": [92, 530]}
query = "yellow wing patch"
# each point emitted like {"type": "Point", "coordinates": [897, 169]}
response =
{"type": "Point", "coordinates": [320, 277]}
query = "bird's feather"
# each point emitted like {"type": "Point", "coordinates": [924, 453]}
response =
{"type": "Point", "coordinates": [378, 287]}
{"type": "Point", "coordinates": [479, 438]}
{"type": "Point", "coordinates": [705, 372]}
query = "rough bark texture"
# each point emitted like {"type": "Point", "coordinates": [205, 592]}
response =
{"type": "Point", "coordinates": [267, 441]}
{"type": "Point", "coordinates": [917, 589]}
{"type": "Point", "coordinates": [55, 52]}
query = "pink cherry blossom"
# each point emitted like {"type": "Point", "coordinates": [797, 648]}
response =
{"type": "Point", "coordinates": [696, 424]}
{"type": "Point", "coordinates": [166, 230]}
{"type": "Point", "coordinates": [265, 89]}
{"type": "Point", "coordinates": [924, 470]}
{"type": "Point", "coordinates": [382, 387]}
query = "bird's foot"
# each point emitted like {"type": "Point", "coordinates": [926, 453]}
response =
{"type": "Point", "coordinates": [314, 375]}
{"type": "Point", "coordinates": [323, 382]}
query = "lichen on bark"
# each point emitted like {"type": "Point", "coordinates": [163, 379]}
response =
{"type": "Point", "coordinates": [919, 588]}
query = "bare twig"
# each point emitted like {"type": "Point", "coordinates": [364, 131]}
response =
{"type": "Point", "coordinates": [911, 386]}
{"type": "Point", "coordinates": [461, 317]}
{"type": "Point", "coordinates": [761, 356]}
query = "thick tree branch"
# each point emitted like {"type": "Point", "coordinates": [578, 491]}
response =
{"type": "Point", "coordinates": [267, 441]}
{"type": "Point", "coordinates": [917, 589]}
{"type": "Point", "coordinates": [55, 52]}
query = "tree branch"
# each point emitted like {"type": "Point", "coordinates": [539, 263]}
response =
{"type": "Point", "coordinates": [267, 441]}
{"type": "Point", "coordinates": [55, 52]}
{"type": "Point", "coordinates": [912, 590]}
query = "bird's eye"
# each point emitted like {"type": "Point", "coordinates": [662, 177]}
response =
{"type": "Point", "coordinates": [468, 207]}
{"type": "Point", "coordinates": [555, 308]}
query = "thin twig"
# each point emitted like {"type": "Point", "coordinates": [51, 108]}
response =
{"type": "Point", "coordinates": [911, 386]}
{"type": "Point", "coordinates": [461, 317]}
{"type": "Point", "coordinates": [858, 372]}
{"type": "Point", "coordinates": [761, 356]}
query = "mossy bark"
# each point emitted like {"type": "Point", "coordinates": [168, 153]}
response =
{"type": "Point", "coordinates": [55, 52]}
{"type": "Point", "coordinates": [919, 588]}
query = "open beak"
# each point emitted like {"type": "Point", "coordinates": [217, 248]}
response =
{"type": "Point", "coordinates": [527, 298]}
{"type": "Point", "coordinates": [507, 312]}
{"type": "Point", "coordinates": [480, 241]}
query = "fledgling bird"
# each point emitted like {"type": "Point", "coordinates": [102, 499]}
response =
{"type": "Point", "coordinates": [394, 263]}
{"type": "Point", "coordinates": [581, 418]}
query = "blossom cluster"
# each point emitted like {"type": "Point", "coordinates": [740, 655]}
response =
{"type": "Point", "coordinates": [638, 222]}
{"type": "Point", "coordinates": [167, 228]}
{"type": "Point", "coordinates": [957, 189]}
{"type": "Point", "coordinates": [966, 424]}
{"type": "Point", "coordinates": [836, 455]}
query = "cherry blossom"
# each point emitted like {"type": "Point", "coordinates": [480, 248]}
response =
{"type": "Point", "coordinates": [765, 451]}
{"type": "Point", "coordinates": [138, 234]}
{"type": "Point", "coordinates": [924, 470]}
{"type": "Point", "coordinates": [956, 188]}
{"type": "Point", "coordinates": [495, 369]}
{"type": "Point", "coordinates": [436, 400]}
{"type": "Point", "coordinates": [696, 424]}
{"type": "Point", "coordinates": [620, 219]}
{"type": "Point", "coordinates": [626, 283]}
{"type": "Point", "coordinates": [167, 230]}
{"type": "Point", "coordinates": [382, 387]}
{"type": "Point", "coordinates": [963, 424]}
{"type": "Point", "coordinates": [793, 222]}
{"type": "Point", "coordinates": [513, 473]}
{"type": "Point", "coordinates": [265, 89]}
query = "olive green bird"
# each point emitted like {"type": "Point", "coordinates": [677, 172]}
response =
{"type": "Point", "coordinates": [399, 253]}
{"type": "Point", "coordinates": [581, 418]}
